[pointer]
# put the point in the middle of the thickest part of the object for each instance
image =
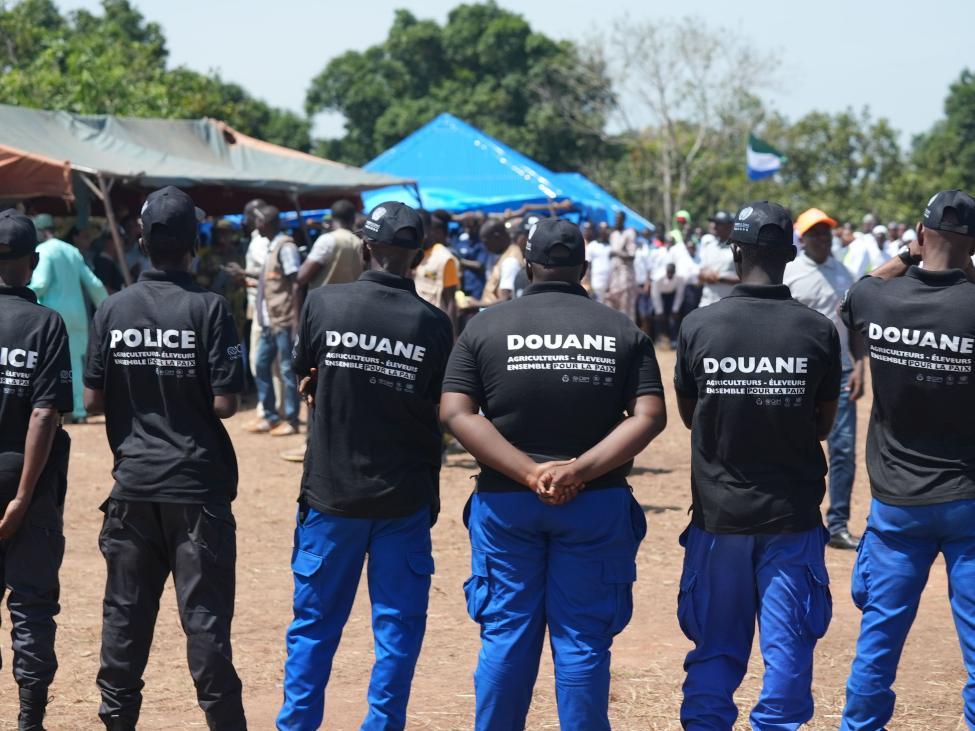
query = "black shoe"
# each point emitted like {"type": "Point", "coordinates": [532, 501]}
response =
{"type": "Point", "coordinates": [843, 540]}
{"type": "Point", "coordinates": [119, 724]}
{"type": "Point", "coordinates": [32, 706]}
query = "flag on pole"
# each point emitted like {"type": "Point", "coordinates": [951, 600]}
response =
{"type": "Point", "coordinates": [762, 159]}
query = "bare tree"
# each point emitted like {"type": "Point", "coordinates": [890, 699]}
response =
{"type": "Point", "coordinates": [679, 85]}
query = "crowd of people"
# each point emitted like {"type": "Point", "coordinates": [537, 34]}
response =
{"type": "Point", "coordinates": [530, 340]}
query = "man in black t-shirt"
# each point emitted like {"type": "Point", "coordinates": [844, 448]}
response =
{"type": "Point", "coordinates": [35, 375]}
{"type": "Point", "coordinates": [919, 325]}
{"type": "Point", "coordinates": [757, 380]}
{"type": "Point", "coordinates": [164, 365]}
{"type": "Point", "coordinates": [570, 393]}
{"type": "Point", "coordinates": [371, 355]}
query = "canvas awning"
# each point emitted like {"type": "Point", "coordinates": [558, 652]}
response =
{"type": "Point", "coordinates": [219, 166]}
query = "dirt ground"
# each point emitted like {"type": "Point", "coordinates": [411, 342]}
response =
{"type": "Point", "coordinates": [647, 656]}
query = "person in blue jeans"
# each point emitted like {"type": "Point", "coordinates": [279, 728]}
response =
{"type": "Point", "coordinates": [820, 281]}
{"type": "Point", "coordinates": [920, 327]}
{"type": "Point", "coordinates": [571, 393]}
{"type": "Point", "coordinates": [371, 355]}
{"type": "Point", "coordinates": [757, 380]}
{"type": "Point", "coordinates": [277, 312]}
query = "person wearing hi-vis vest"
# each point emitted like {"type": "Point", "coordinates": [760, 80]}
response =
{"type": "Point", "coordinates": [553, 523]}
{"type": "Point", "coordinates": [757, 380]}
{"type": "Point", "coordinates": [371, 356]}
{"type": "Point", "coordinates": [919, 325]}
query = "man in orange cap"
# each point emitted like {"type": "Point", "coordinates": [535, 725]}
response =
{"type": "Point", "coordinates": [820, 281]}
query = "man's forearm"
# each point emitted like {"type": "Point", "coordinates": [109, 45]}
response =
{"type": "Point", "coordinates": [626, 441]}
{"type": "Point", "coordinates": [485, 443]}
{"type": "Point", "coordinates": [41, 428]}
{"type": "Point", "coordinates": [890, 269]}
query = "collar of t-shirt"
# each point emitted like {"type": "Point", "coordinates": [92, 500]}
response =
{"type": "Point", "coordinates": [25, 293]}
{"type": "Point", "coordinates": [762, 291]}
{"type": "Point", "coordinates": [166, 275]}
{"type": "Point", "coordinates": [388, 280]}
{"type": "Point", "coordinates": [564, 287]}
{"type": "Point", "coordinates": [941, 278]}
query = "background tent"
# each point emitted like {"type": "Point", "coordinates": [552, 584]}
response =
{"type": "Point", "coordinates": [597, 204]}
{"type": "Point", "coordinates": [60, 157]}
{"type": "Point", "coordinates": [460, 168]}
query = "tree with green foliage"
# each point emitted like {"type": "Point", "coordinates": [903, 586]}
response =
{"type": "Point", "coordinates": [945, 156]}
{"type": "Point", "coordinates": [115, 63]}
{"type": "Point", "coordinates": [487, 66]}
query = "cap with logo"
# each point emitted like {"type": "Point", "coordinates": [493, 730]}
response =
{"type": "Point", "coordinates": [528, 221]}
{"type": "Point", "coordinates": [547, 237]}
{"type": "Point", "coordinates": [171, 212]}
{"type": "Point", "coordinates": [18, 237]}
{"type": "Point", "coordinates": [811, 217]}
{"type": "Point", "coordinates": [395, 224]}
{"type": "Point", "coordinates": [722, 217]}
{"type": "Point", "coordinates": [962, 220]}
{"type": "Point", "coordinates": [763, 224]}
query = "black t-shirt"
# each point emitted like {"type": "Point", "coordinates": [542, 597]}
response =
{"type": "Point", "coordinates": [920, 329]}
{"type": "Point", "coordinates": [380, 351]}
{"type": "Point", "coordinates": [757, 362]}
{"type": "Point", "coordinates": [554, 372]}
{"type": "Point", "coordinates": [35, 367]}
{"type": "Point", "coordinates": [160, 350]}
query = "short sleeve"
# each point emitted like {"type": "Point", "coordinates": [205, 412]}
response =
{"type": "Point", "coordinates": [853, 302]}
{"type": "Point", "coordinates": [643, 377]}
{"type": "Point", "coordinates": [440, 367]}
{"type": "Point", "coordinates": [509, 272]}
{"type": "Point", "coordinates": [322, 250]}
{"type": "Point", "coordinates": [95, 358]}
{"type": "Point", "coordinates": [685, 384]}
{"type": "Point", "coordinates": [303, 355]}
{"type": "Point", "coordinates": [450, 276]}
{"type": "Point", "coordinates": [51, 383]}
{"type": "Point", "coordinates": [829, 387]}
{"type": "Point", "coordinates": [290, 260]}
{"type": "Point", "coordinates": [463, 374]}
{"type": "Point", "coordinates": [224, 356]}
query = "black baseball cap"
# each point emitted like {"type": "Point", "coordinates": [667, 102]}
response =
{"type": "Point", "coordinates": [958, 201]}
{"type": "Point", "coordinates": [18, 237]}
{"type": "Point", "coordinates": [722, 217]}
{"type": "Point", "coordinates": [549, 233]}
{"type": "Point", "coordinates": [763, 223]}
{"type": "Point", "coordinates": [528, 221]}
{"type": "Point", "coordinates": [394, 223]}
{"type": "Point", "coordinates": [171, 211]}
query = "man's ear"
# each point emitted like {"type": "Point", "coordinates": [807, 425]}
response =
{"type": "Point", "coordinates": [528, 271]}
{"type": "Point", "coordinates": [736, 253]}
{"type": "Point", "coordinates": [35, 260]}
{"type": "Point", "coordinates": [417, 259]}
{"type": "Point", "coordinates": [143, 247]}
{"type": "Point", "coordinates": [920, 233]}
{"type": "Point", "coordinates": [582, 272]}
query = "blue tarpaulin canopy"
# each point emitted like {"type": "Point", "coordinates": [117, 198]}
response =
{"type": "Point", "coordinates": [460, 168]}
{"type": "Point", "coordinates": [600, 205]}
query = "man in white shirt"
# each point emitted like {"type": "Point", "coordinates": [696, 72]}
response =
{"type": "Point", "coordinates": [668, 298]}
{"type": "Point", "coordinates": [865, 253]}
{"type": "Point", "coordinates": [598, 254]}
{"type": "Point", "coordinates": [717, 273]}
{"type": "Point", "coordinates": [820, 282]}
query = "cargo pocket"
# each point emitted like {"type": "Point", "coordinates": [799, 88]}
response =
{"type": "Point", "coordinates": [687, 607]}
{"type": "Point", "coordinates": [216, 533]}
{"type": "Point", "coordinates": [860, 585]}
{"type": "Point", "coordinates": [421, 563]}
{"type": "Point", "coordinates": [305, 564]}
{"type": "Point", "coordinates": [820, 608]}
{"type": "Point", "coordinates": [638, 519]}
{"type": "Point", "coordinates": [477, 588]}
{"type": "Point", "coordinates": [618, 576]}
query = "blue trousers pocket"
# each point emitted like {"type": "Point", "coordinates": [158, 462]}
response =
{"type": "Point", "coordinates": [618, 576]}
{"type": "Point", "coordinates": [687, 607]}
{"type": "Point", "coordinates": [820, 608]}
{"type": "Point", "coordinates": [477, 587]}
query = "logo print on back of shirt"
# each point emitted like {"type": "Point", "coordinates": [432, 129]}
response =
{"type": "Point", "coordinates": [745, 213]}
